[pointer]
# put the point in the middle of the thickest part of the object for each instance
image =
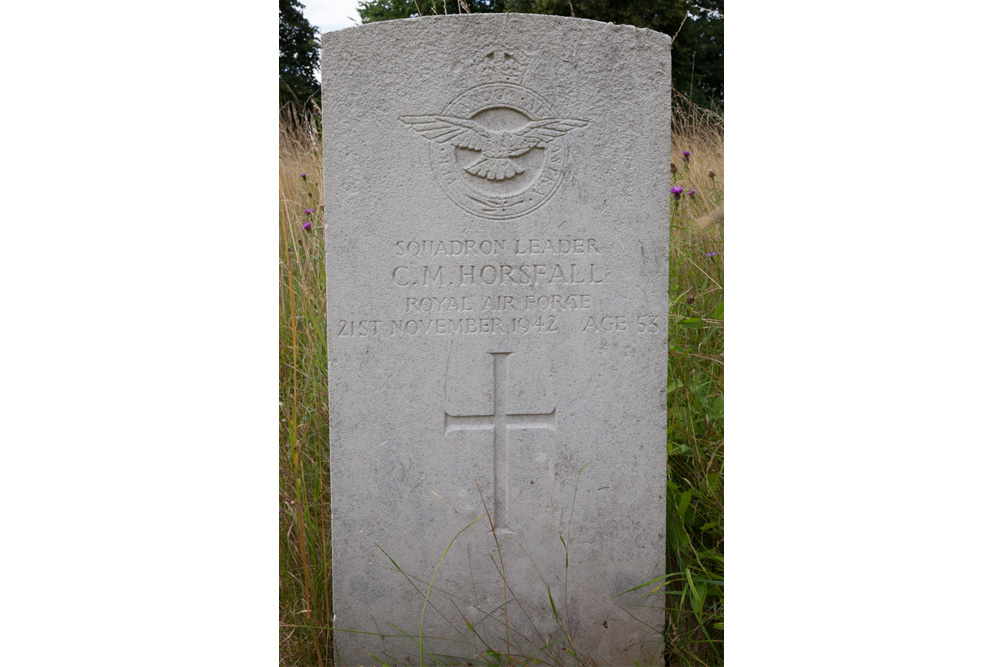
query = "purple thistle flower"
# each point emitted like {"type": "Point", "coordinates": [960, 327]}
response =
{"type": "Point", "coordinates": [307, 226]}
{"type": "Point", "coordinates": [687, 155]}
{"type": "Point", "coordinates": [677, 191]}
{"type": "Point", "coordinates": [692, 193]}
{"type": "Point", "coordinates": [310, 210]}
{"type": "Point", "coordinates": [712, 254]}
{"type": "Point", "coordinates": [303, 175]}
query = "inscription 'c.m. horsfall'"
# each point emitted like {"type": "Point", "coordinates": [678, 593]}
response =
{"type": "Point", "coordinates": [475, 275]}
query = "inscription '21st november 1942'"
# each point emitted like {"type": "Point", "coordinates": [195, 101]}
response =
{"type": "Point", "coordinates": [571, 267]}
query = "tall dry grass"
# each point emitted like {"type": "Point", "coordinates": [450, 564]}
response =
{"type": "Point", "coordinates": [304, 492]}
{"type": "Point", "coordinates": [692, 591]}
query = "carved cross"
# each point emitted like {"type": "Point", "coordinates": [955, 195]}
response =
{"type": "Point", "coordinates": [500, 421]}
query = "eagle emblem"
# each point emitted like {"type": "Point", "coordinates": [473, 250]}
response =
{"type": "Point", "coordinates": [499, 150]}
{"type": "Point", "coordinates": [497, 146]}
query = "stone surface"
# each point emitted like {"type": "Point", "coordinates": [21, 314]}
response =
{"type": "Point", "coordinates": [497, 207]}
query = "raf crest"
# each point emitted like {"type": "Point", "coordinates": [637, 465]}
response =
{"type": "Point", "coordinates": [498, 149]}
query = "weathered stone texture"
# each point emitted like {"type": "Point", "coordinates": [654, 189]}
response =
{"type": "Point", "coordinates": [497, 207]}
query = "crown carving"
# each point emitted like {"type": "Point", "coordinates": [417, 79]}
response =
{"type": "Point", "coordinates": [500, 66]}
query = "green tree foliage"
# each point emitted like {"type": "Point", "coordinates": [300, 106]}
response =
{"type": "Point", "coordinates": [298, 54]}
{"type": "Point", "coordinates": [697, 51]}
{"type": "Point", "coordinates": [384, 10]}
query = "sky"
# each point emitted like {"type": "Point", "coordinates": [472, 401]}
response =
{"type": "Point", "coordinates": [330, 15]}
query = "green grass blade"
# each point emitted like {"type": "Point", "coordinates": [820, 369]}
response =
{"type": "Point", "coordinates": [431, 585]}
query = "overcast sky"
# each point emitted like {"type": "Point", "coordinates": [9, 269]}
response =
{"type": "Point", "coordinates": [331, 14]}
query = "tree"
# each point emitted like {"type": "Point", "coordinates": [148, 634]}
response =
{"type": "Point", "coordinates": [298, 54]}
{"type": "Point", "coordinates": [697, 61]}
{"type": "Point", "coordinates": [384, 10]}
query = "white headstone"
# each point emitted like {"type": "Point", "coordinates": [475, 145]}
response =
{"type": "Point", "coordinates": [497, 206]}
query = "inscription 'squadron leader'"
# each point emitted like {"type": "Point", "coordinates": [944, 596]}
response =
{"type": "Point", "coordinates": [499, 149]}
{"type": "Point", "coordinates": [499, 421]}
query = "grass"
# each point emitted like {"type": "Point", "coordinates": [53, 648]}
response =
{"type": "Point", "coordinates": [695, 392]}
{"type": "Point", "coordinates": [304, 492]}
{"type": "Point", "coordinates": [692, 591]}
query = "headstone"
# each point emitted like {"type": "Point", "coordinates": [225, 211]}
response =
{"type": "Point", "coordinates": [497, 205]}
